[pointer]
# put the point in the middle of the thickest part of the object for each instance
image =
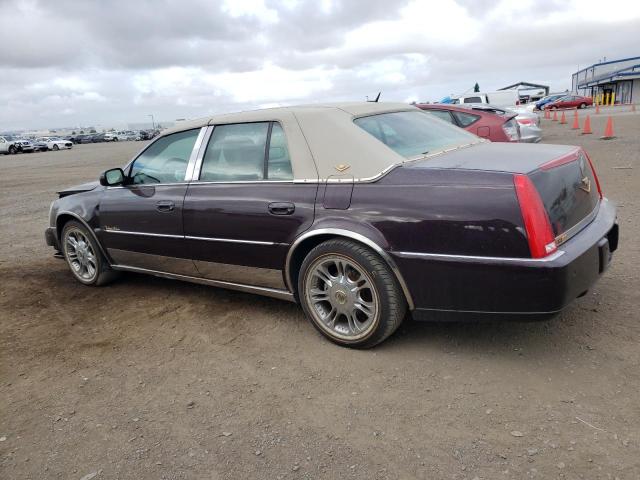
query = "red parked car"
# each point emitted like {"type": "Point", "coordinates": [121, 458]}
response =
{"type": "Point", "coordinates": [569, 101]}
{"type": "Point", "coordinates": [495, 127]}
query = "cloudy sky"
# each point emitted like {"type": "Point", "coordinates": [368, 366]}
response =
{"type": "Point", "coordinates": [69, 63]}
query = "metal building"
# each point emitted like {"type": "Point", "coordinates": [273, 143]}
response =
{"type": "Point", "coordinates": [621, 77]}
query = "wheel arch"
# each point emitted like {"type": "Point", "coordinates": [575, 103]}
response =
{"type": "Point", "coordinates": [309, 240]}
{"type": "Point", "coordinates": [65, 216]}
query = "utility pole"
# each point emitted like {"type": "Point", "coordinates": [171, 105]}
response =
{"type": "Point", "coordinates": [153, 123]}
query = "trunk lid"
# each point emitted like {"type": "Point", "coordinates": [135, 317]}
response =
{"type": "Point", "coordinates": [561, 174]}
{"type": "Point", "coordinates": [569, 191]}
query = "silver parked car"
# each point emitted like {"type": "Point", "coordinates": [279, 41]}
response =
{"type": "Point", "coordinates": [529, 122]}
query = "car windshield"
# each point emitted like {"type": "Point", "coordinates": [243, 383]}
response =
{"type": "Point", "coordinates": [414, 134]}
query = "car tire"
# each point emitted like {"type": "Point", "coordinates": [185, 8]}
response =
{"type": "Point", "coordinates": [583, 105]}
{"type": "Point", "coordinates": [83, 255]}
{"type": "Point", "coordinates": [56, 148]}
{"type": "Point", "coordinates": [350, 294]}
{"type": "Point", "coordinates": [12, 150]}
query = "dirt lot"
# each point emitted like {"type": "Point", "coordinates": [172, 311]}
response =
{"type": "Point", "coordinates": [156, 379]}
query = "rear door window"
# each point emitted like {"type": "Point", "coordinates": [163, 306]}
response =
{"type": "Point", "coordinates": [465, 119]}
{"type": "Point", "coordinates": [246, 152]}
{"type": "Point", "coordinates": [442, 115]}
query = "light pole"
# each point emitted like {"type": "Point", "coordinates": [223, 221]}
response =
{"type": "Point", "coordinates": [152, 122]}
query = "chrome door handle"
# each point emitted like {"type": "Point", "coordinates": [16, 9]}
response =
{"type": "Point", "coordinates": [165, 206]}
{"type": "Point", "coordinates": [282, 208]}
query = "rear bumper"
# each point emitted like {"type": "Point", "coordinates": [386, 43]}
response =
{"type": "Point", "coordinates": [462, 287]}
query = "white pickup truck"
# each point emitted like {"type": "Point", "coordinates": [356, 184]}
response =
{"type": "Point", "coordinates": [7, 145]}
{"type": "Point", "coordinates": [500, 98]}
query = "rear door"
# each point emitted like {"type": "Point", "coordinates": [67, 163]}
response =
{"type": "Point", "coordinates": [141, 221]}
{"type": "Point", "coordinates": [243, 209]}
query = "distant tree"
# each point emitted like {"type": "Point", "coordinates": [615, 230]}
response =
{"type": "Point", "coordinates": [73, 133]}
{"type": "Point", "coordinates": [93, 130]}
{"type": "Point", "coordinates": [476, 88]}
{"type": "Point", "coordinates": [82, 131]}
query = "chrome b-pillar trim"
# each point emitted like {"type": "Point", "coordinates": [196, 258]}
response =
{"type": "Point", "coordinates": [354, 236]}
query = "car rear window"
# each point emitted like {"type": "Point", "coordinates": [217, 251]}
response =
{"type": "Point", "coordinates": [412, 134]}
{"type": "Point", "coordinates": [466, 119]}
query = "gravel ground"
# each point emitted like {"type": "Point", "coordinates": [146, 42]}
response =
{"type": "Point", "coordinates": [157, 379]}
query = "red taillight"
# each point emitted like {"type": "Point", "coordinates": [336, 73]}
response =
{"type": "Point", "coordinates": [525, 121]}
{"type": "Point", "coordinates": [595, 175]}
{"type": "Point", "coordinates": [536, 221]}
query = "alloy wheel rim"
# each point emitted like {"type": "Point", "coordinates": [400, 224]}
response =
{"type": "Point", "coordinates": [342, 297]}
{"type": "Point", "coordinates": [80, 255]}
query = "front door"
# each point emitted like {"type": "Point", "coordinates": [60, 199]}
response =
{"type": "Point", "coordinates": [243, 210]}
{"type": "Point", "coordinates": [141, 221]}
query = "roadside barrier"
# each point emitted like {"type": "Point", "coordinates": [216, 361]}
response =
{"type": "Point", "coordinates": [608, 130]}
{"type": "Point", "coordinates": [587, 126]}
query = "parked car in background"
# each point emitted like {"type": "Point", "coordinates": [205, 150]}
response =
{"type": "Point", "coordinates": [569, 101]}
{"type": "Point", "coordinates": [24, 146]}
{"type": "Point", "coordinates": [362, 212]}
{"type": "Point", "coordinates": [98, 138]}
{"type": "Point", "coordinates": [501, 98]}
{"type": "Point", "coordinates": [485, 124]}
{"type": "Point", "coordinates": [548, 99]}
{"type": "Point", "coordinates": [83, 138]}
{"type": "Point", "coordinates": [39, 146]}
{"type": "Point", "coordinates": [56, 143]}
{"type": "Point", "coordinates": [111, 137]}
{"type": "Point", "coordinates": [528, 122]}
{"type": "Point", "coordinates": [7, 145]}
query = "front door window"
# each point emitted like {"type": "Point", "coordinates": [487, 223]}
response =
{"type": "Point", "coordinates": [165, 161]}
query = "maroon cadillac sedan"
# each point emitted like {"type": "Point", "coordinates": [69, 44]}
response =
{"type": "Point", "coordinates": [364, 213]}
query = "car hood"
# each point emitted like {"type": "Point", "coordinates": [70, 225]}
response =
{"type": "Point", "coordinates": [85, 187]}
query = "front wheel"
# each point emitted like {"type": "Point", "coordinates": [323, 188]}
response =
{"type": "Point", "coordinates": [12, 150]}
{"type": "Point", "coordinates": [583, 105]}
{"type": "Point", "coordinates": [56, 148]}
{"type": "Point", "coordinates": [350, 294]}
{"type": "Point", "coordinates": [83, 255]}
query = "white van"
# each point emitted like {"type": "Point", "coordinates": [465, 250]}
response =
{"type": "Point", "coordinates": [501, 98]}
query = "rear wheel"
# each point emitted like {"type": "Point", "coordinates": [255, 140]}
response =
{"type": "Point", "coordinates": [12, 150]}
{"type": "Point", "coordinates": [83, 256]}
{"type": "Point", "coordinates": [349, 294]}
{"type": "Point", "coordinates": [583, 105]}
{"type": "Point", "coordinates": [55, 147]}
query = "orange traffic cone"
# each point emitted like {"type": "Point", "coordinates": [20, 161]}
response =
{"type": "Point", "coordinates": [608, 130]}
{"type": "Point", "coordinates": [563, 119]}
{"type": "Point", "coordinates": [555, 116]}
{"type": "Point", "coordinates": [576, 123]}
{"type": "Point", "coordinates": [633, 107]}
{"type": "Point", "coordinates": [547, 114]}
{"type": "Point", "coordinates": [597, 108]}
{"type": "Point", "coordinates": [587, 126]}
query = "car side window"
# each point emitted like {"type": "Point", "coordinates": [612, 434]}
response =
{"type": "Point", "coordinates": [465, 119]}
{"type": "Point", "coordinates": [165, 161]}
{"type": "Point", "coordinates": [442, 115]}
{"type": "Point", "coordinates": [279, 162]}
{"type": "Point", "coordinates": [238, 152]}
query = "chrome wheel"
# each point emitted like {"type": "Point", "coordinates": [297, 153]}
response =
{"type": "Point", "coordinates": [80, 255]}
{"type": "Point", "coordinates": [342, 297]}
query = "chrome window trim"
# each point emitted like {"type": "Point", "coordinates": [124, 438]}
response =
{"type": "Point", "coordinates": [266, 291]}
{"type": "Point", "coordinates": [355, 236]}
{"type": "Point", "coordinates": [473, 258]}
{"type": "Point", "coordinates": [194, 154]}
{"type": "Point", "coordinates": [195, 173]}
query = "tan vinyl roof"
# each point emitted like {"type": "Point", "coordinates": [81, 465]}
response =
{"type": "Point", "coordinates": [322, 138]}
